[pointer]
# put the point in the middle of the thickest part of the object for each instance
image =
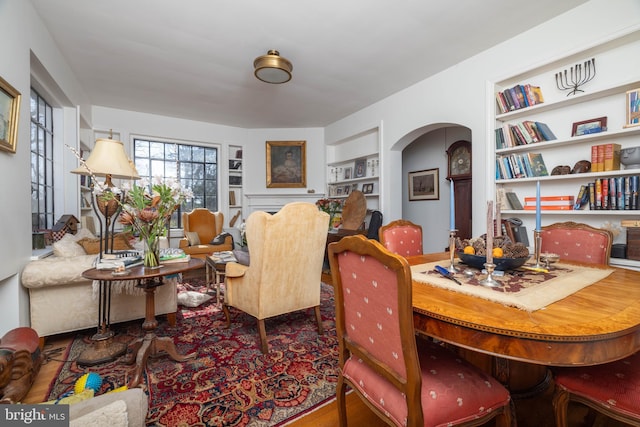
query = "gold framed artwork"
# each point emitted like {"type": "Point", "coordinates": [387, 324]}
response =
{"type": "Point", "coordinates": [286, 164]}
{"type": "Point", "coordinates": [424, 185]}
{"type": "Point", "coordinates": [633, 108]}
{"type": "Point", "coordinates": [9, 113]}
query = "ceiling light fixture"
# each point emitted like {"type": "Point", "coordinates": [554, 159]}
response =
{"type": "Point", "coordinates": [272, 68]}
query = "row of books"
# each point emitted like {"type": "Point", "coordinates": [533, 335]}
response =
{"type": "Point", "coordinates": [619, 193]}
{"type": "Point", "coordinates": [550, 203]}
{"type": "Point", "coordinates": [524, 165]}
{"type": "Point", "coordinates": [527, 132]}
{"type": "Point", "coordinates": [605, 157]}
{"type": "Point", "coordinates": [519, 96]}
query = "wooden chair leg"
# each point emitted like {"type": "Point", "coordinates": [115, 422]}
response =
{"type": "Point", "coordinates": [264, 345]}
{"type": "Point", "coordinates": [319, 320]}
{"type": "Point", "coordinates": [227, 314]}
{"type": "Point", "coordinates": [560, 406]}
{"type": "Point", "coordinates": [341, 400]}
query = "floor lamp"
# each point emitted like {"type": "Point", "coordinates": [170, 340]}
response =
{"type": "Point", "coordinates": [109, 160]}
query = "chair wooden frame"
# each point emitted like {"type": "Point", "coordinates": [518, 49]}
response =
{"type": "Point", "coordinates": [562, 397]}
{"type": "Point", "coordinates": [411, 383]}
{"type": "Point", "coordinates": [571, 225]}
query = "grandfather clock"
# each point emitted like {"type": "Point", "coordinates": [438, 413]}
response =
{"type": "Point", "coordinates": [459, 172]}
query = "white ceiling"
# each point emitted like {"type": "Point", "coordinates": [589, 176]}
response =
{"type": "Point", "coordinates": [194, 58]}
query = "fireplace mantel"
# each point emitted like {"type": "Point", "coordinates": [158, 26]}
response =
{"type": "Point", "coordinates": [274, 202]}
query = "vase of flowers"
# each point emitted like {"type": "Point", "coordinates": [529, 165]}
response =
{"type": "Point", "coordinates": [146, 211]}
{"type": "Point", "coordinates": [330, 206]}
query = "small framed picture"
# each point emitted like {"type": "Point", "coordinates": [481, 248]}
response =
{"type": "Point", "coordinates": [367, 188]}
{"type": "Point", "coordinates": [633, 108]}
{"type": "Point", "coordinates": [361, 168]}
{"type": "Point", "coordinates": [347, 190]}
{"type": "Point", "coordinates": [589, 126]}
{"type": "Point", "coordinates": [339, 191]}
{"type": "Point", "coordinates": [9, 113]}
{"type": "Point", "coordinates": [354, 187]}
{"type": "Point", "coordinates": [347, 173]}
{"type": "Point", "coordinates": [424, 185]}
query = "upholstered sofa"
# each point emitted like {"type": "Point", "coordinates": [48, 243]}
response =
{"type": "Point", "coordinates": [61, 300]}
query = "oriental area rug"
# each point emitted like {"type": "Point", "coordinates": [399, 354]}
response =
{"type": "Point", "coordinates": [230, 382]}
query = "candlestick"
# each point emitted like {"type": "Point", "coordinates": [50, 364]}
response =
{"type": "Point", "coordinates": [452, 249]}
{"type": "Point", "coordinates": [489, 240]}
{"type": "Point", "coordinates": [452, 213]}
{"type": "Point", "coordinates": [538, 219]}
{"type": "Point", "coordinates": [498, 220]}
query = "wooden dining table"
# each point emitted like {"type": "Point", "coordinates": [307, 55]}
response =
{"type": "Point", "coordinates": [597, 324]}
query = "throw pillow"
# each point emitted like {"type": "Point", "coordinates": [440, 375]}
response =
{"type": "Point", "coordinates": [242, 256]}
{"type": "Point", "coordinates": [92, 246]}
{"type": "Point", "coordinates": [192, 238]}
{"type": "Point", "coordinates": [67, 247]}
{"type": "Point", "coordinates": [192, 298]}
{"type": "Point", "coordinates": [220, 238]}
{"type": "Point", "coordinates": [111, 415]}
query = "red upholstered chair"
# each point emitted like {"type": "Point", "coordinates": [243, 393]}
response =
{"type": "Point", "coordinates": [613, 389]}
{"type": "Point", "coordinates": [404, 380]}
{"type": "Point", "coordinates": [577, 242]}
{"type": "Point", "coordinates": [402, 237]}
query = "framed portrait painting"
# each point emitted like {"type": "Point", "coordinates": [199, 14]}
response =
{"type": "Point", "coordinates": [286, 164]}
{"type": "Point", "coordinates": [9, 111]}
{"type": "Point", "coordinates": [424, 185]}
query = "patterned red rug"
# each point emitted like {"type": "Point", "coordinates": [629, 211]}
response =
{"type": "Point", "coordinates": [230, 382]}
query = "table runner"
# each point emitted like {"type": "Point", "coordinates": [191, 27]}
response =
{"type": "Point", "coordinates": [522, 289]}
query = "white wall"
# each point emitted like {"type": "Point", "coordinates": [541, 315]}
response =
{"type": "Point", "coordinates": [458, 94]}
{"type": "Point", "coordinates": [455, 96]}
{"type": "Point", "coordinates": [428, 152]}
{"type": "Point", "coordinates": [26, 42]}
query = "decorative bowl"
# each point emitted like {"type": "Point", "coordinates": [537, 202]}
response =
{"type": "Point", "coordinates": [478, 261]}
{"type": "Point", "coordinates": [630, 157]}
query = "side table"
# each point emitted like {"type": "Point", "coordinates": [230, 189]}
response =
{"type": "Point", "coordinates": [215, 266]}
{"type": "Point", "coordinates": [149, 280]}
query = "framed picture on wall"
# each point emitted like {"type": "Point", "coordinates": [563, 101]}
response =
{"type": "Point", "coordinates": [360, 170]}
{"type": "Point", "coordinates": [424, 185]}
{"type": "Point", "coordinates": [9, 112]}
{"type": "Point", "coordinates": [286, 164]}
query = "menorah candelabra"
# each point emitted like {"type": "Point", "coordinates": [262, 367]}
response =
{"type": "Point", "coordinates": [576, 77]}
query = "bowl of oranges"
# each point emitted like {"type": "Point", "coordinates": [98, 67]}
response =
{"type": "Point", "coordinates": [506, 255]}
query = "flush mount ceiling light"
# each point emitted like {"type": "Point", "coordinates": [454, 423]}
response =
{"type": "Point", "coordinates": [272, 68]}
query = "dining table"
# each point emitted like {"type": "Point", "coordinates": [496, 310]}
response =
{"type": "Point", "coordinates": [597, 324]}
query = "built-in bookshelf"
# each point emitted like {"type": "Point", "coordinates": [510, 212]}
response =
{"type": "Point", "coordinates": [557, 131]}
{"type": "Point", "coordinates": [235, 185]}
{"type": "Point", "coordinates": [353, 163]}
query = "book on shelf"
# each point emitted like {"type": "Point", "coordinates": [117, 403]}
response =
{"type": "Point", "coordinates": [545, 131]}
{"type": "Point", "coordinates": [513, 200]}
{"type": "Point", "coordinates": [537, 164]}
{"type": "Point", "coordinates": [583, 198]}
{"type": "Point", "coordinates": [611, 155]}
{"type": "Point", "coordinates": [517, 97]}
{"type": "Point", "coordinates": [550, 202]}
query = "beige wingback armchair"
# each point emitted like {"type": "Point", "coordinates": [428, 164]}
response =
{"type": "Point", "coordinates": [201, 226]}
{"type": "Point", "coordinates": [286, 254]}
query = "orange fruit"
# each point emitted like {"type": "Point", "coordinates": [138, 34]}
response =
{"type": "Point", "coordinates": [498, 252]}
{"type": "Point", "coordinates": [469, 250]}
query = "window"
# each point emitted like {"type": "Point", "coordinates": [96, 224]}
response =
{"type": "Point", "coordinates": [196, 166]}
{"type": "Point", "coordinates": [42, 202]}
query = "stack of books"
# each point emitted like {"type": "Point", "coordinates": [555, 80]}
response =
{"type": "Point", "coordinates": [550, 203]}
{"type": "Point", "coordinates": [605, 157]}
{"type": "Point", "coordinates": [173, 255]}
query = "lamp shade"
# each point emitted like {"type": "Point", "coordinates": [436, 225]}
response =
{"type": "Point", "coordinates": [272, 68]}
{"type": "Point", "coordinates": [108, 158]}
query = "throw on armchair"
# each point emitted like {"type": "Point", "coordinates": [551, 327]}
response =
{"type": "Point", "coordinates": [287, 251]}
{"type": "Point", "coordinates": [201, 227]}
